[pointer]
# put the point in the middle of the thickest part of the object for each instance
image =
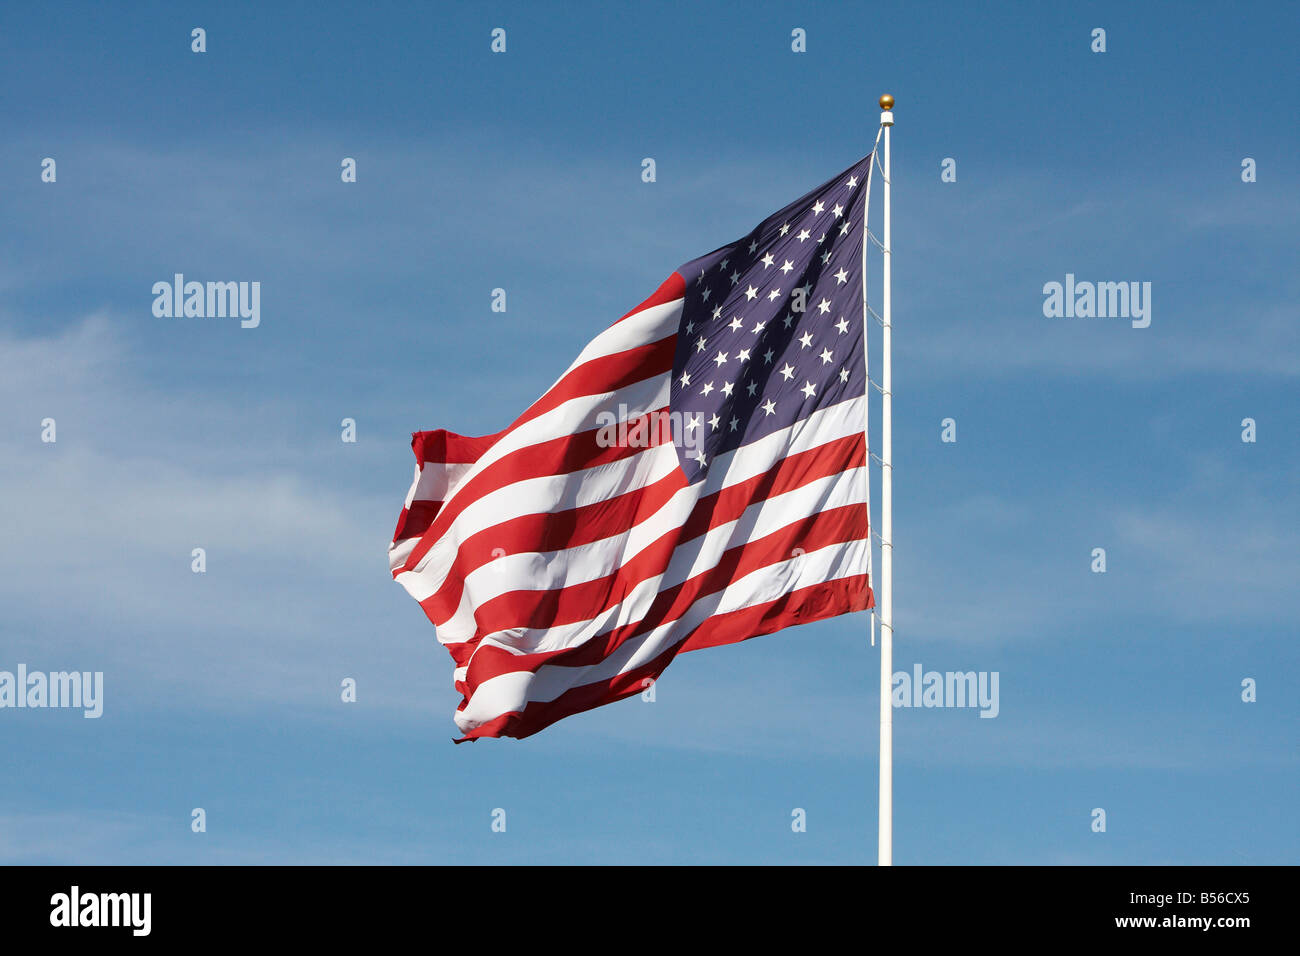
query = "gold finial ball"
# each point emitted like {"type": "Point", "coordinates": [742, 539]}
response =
{"type": "Point", "coordinates": [886, 102]}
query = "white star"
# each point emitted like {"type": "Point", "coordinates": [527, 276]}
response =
{"type": "Point", "coordinates": [826, 257]}
{"type": "Point", "coordinates": [726, 388]}
{"type": "Point", "coordinates": [824, 306]}
{"type": "Point", "coordinates": [809, 390]}
{"type": "Point", "coordinates": [821, 238]}
{"type": "Point", "coordinates": [742, 355]}
{"type": "Point", "coordinates": [838, 210]}
{"type": "Point", "coordinates": [685, 380]}
{"type": "Point", "coordinates": [841, 277]}
{"type": "Point", "coordinates": [807, 289]}
{"type": "Point", "coordinates": [707, 293]}
{"type": "Point", "coordinates": [785, 227]}
{"type": "Point", "coordinates": [768, 260]}
{"type": "Point", "coordinates": [769, 406]}
{"type": "Point", "coordinates": [788, 266]}
{"type": "Point", "coordinates": [722, 266]}
{"type": "Point", "coordinates": [690, 327]}
{"type": "Point", "coordinates": [818, 206]}
{"type": "Point", "coordinates": [806, 340]}
{"type": "Point", "coordinates": [803, 234]}
{"type": "Point", "coordinates": [692, 422]}
{"type": "Point", "coordinates": [787, 372]}
{"type": "Point", "coordinates": [774, 295]}
{"type": "Point", "coordinates": [717, 311]}
{"type": "Point", "coordinates": [752, 246]}
{"type": "Point", "coordinates": [853, 181]}
{"type": "Point", "coordinates": [844, 227]}
{"type": "Point", "coordinates": [699, 456]}
{"type": "Point", "coordinates": [758, 327]}
{"type": "Point", "coordinates": [842, 325]}
{"type": "Point", "coordinates": [699, 344]}
{"type": "Point", "coordinates": [714, 421]}
{"type": "Point", "coordinates": [751, 293]}
{"type": "Point", "coordinates": [708, 387]}
{"type": "Point", "coordinates": [787, 320]}
{"type": "Point", "coordinates": [844, 375]}
{"type": "Point", "coordinates": [720, 358]}
{"type": "Point", "coordinates": [826, 356]}
{"type": "Point", "coordinates": [752, 387]}
{"type": "Point", "coordinates": [735, 323]}
{"type": "Point", "coordinates": [767, 357]}
{"type": "Point", "coordinates": [734, 422]}
{"type": "Point", "coordinates": [735, 277]}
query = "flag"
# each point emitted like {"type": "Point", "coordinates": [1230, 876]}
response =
{"type": "Point", "coordinates": [696, 477]}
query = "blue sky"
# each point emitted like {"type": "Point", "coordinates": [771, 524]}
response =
{"type": "Point", "coordinates": [522, 171]}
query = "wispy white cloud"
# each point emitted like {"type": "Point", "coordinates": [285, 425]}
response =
{"type": "Point", "coordinates": [97, 559]}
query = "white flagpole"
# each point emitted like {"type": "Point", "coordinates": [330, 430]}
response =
{"type": "Point", "coordinates": [886, 841]}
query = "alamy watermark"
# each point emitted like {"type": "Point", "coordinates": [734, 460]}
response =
{"type": "Point", "coordinates": [75, 908]}
{"type": "Point", "coordinates": [625, 429]}
{"type": "Point", "coordinates": [947, 689]}
{"type": "Point", "coordinates": [1101, 300]}
{"type": "Point", "coordinates": [211, 300]}
{"type": "Point", "coordinates": [81, 689]}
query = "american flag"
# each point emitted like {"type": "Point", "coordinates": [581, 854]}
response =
{"type": "Point", "coordinates": [696, 477]}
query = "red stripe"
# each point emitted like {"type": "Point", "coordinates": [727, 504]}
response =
{"type": "Point", "coordinates": [813, 603]}
{"type": "Point", "coordinates": [543, 458]}
{"type": "Point", "coordinates": [606, 373]}
{"type": "Point", "coordinates": [434, 449]}
{"type": "Point", "coordinates": [412, 522]}
{"type": "Point", "coordinates": [568, 455]}
{"type": "Point", "coordinates": [585, 600]}
{"type": "Point", "coordinates": [814, 532]}
{"type": "Point", "coordinates": [448, 448]}
{"type": "Point", "coordinates": [674, 287]}
{"type": "Point", "coordinates": [790, 473]}
{"type": "Point", "coordinates": [549, 532]}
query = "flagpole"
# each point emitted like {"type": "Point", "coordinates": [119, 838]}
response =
{"type": "Point", "coordinates": [886, 839]}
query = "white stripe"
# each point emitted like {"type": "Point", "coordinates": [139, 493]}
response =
{"type": "Point", "coordinates": [578, 413]}
{"type": "Point", "coordinates": [634, 607]}
{"type": "Point", "coordinates": [595, 561]}
{"type": "Point", "coordinates": [399, 551]}
{"type": "Point", "coordinates": [511, 692]}
{"type": "Point", "coordinates": [659, 322]}
{"type": "Point", "coordinates": [544, 571]}
{"type": "Point", "coordinates": [557, 493]}
{"type": "Point", "coordinates": [437, 481]}
{"type": "Point", "coordinates": [649, 325]}
{"type": "Point", "coordinates": [547, 494]}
